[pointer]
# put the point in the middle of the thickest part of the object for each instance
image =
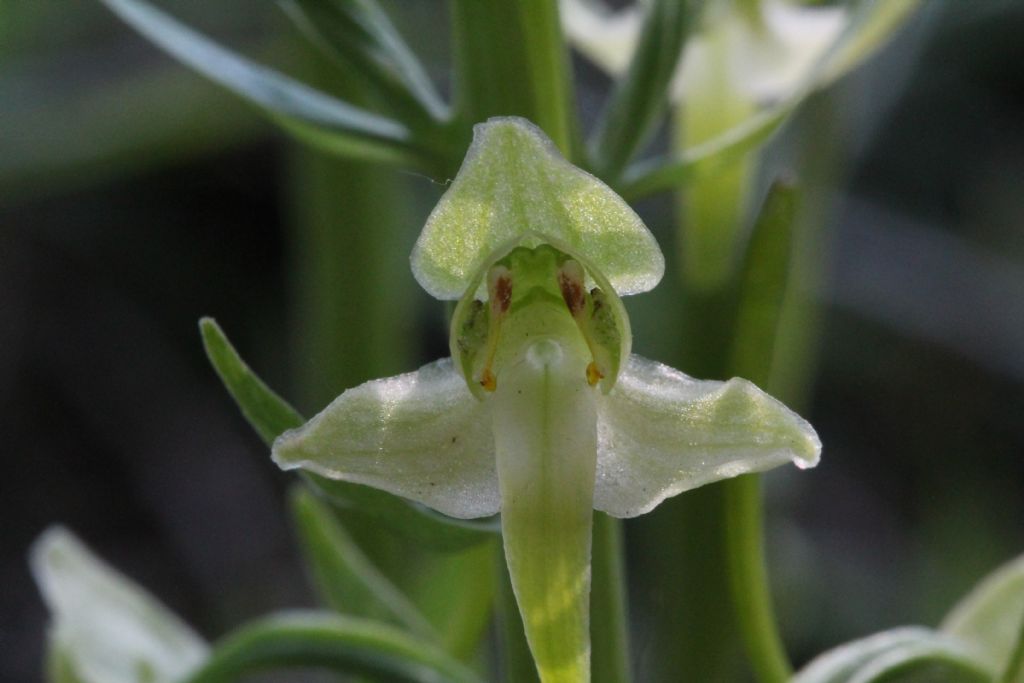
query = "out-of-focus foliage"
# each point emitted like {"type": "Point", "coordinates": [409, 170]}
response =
{"type": "Point", "coordinates": [135, 197]}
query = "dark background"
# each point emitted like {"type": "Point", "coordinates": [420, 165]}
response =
{"type": "Point", "coordinates": [135, 197]}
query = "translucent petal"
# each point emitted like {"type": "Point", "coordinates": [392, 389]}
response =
{"type": "Point", "coordinates": [661, 433]}
{"type": "Point", "coordinates": [902, 654]}
{"type": "Point", "coordinates": [608, 38]}
{"type": "Point", "coordinates": [990, 619]}
{"type": "Point", "coordinates": [421, 436]}
{"type": "Point", "coordinates": [109, 630]}
{"type": "Point", "coordinates": [763, 64]}
{"type": "Point", "coordinates": [514, 182]}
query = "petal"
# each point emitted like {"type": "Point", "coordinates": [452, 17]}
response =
{"type": "Point", "coordinates": [107, 629]}
{"type": "Point", "coordinates": [514, 184]}
{"type": "Point", "coordinates": [545, 431]}
{"type": "Point", "coordinates": [607, 38]}
{"type": "Point", "coordinates": [797, 39]}
{"type": "Point", "coordinates": [901, 654]}
{"type": "Point", "coordinates": [421, 436]}
{"type": "Point", "coordinates": [990, 619]}
{"type": "Point", "coordinates": [661, 433]}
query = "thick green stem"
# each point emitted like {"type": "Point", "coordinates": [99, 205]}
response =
{"type": "Point", "coordinates": [690, 634]}
{"type": "Point", "coordinates": [763, 286]}
{"type": "Point", "coordinates": [751, 593]}
{"type": "Point", "coordinates": [609, 627]}
{"type": "Point", "coordinates": [639, 97]}
{"type": "Point", "coordinates": [348, 317]}
{"type": "Point", "coordinates": [510, 60]}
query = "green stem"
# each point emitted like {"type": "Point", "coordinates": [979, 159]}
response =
{"type": "Point", "coordinates": [691, 635]}
{"type": "Point", "coordinates": [347, 316]}
{"type": "Point", "coordinates": [511, 60]}
{"type": "Point", "coordinates": [609, 628]}
{"type": "Point", "coordinates": [763, 285]}
{"type": "Point", "coordinates": [639, 98]}
{"type": "Point", "coordinates": [748, 577]}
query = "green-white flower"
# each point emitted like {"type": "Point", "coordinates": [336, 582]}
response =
{"type": "Point", "coordinates": [105, 628]}
{"type": "Point", "coordinates": [763, 51]}
{"type": "Point", "coordinates": [746, 66]}
{"type": "Point", "coordinates": [541, 413]}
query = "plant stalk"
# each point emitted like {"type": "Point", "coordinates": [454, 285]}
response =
{"type": "Point", "coordinates": [748, 575]}
{"type": "Point", "coordinates": [511, 60]}
{"type": "Point", "coordinates": [609, 623]}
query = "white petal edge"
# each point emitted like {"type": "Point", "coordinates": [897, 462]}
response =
{"type": "Point", "coordinates": [878, 656]}
{"type": "Point", "coordinates": [606, 37]}
{"type": "Point", "coordinates": [840, 662]}
{"type": "Point", "coordinates": [514, 184]}
{"type": "Point", "coordinates": [420, 435]}
{"type": "Point", "coordinates": [110, 629]}
{"type": "Point", "coordinates": [661, 433]}
{"type": "Point", "coordinates": [988, 620]}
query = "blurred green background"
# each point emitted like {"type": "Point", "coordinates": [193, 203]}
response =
{"type": "Point", "coordinates": [136, 197]}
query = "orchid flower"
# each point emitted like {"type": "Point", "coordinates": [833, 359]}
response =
{"type": "Point", "coordinates": [542, 413]}
{"type": "Point", "coordinates": [745, 68]}
{"type": "Point", "coordinates": [762, 51]}
{"type": "Point", "coordinates": [107, 629]}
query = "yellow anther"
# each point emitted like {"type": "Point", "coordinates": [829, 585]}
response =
{"type": "Point", "coordinates": [488, 381]}
{"type": "Point", "coordinates": [593, 374]}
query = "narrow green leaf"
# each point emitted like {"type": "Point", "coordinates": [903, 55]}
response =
{"type": "Point", "coordinates": [873, 23]}
{"type": "Point", "coordinates": [764, 281]}
{"type": "Point", "coordinates": [903, 654]}
{"type": "Point", "coordinates": [922, 663]}
{"type": "Point", "coordinates": [764, 278]}
{"type": "Point", "coordinates": [267, 412]}
{"type": "Point", "coordinates": [313, 115]}
{"type": "Point", "coordinates": [344, 575]}
{"type": "Point", "coordinates": [359, 35]}
{"type": "Point", "coordinates": [410, 520]}
{"type": "Point", "coordinates": [271, 416]}
{"type": "Point", "coordinates": [461, 622]}
{"type": "Point", "coordinates": [639, 98]}
{"type": "Point", "coordinates": [990, 619]}
{"type": "Point", "coordinates": [705, 159]}
{"type": "Point", "coordinates": [343, 645]}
